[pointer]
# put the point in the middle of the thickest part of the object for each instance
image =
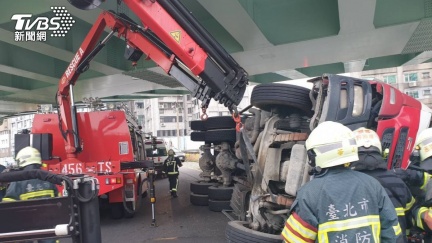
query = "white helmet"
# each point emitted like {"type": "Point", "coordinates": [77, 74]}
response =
{"type": "Point", "coordinates": [367, 138]}
{"type": "Point", "coordinates": [331, 144]}
{"type": "Point", "coordinates": [28, 156]}
{"type": "Point", "coordinates": [424, 144]}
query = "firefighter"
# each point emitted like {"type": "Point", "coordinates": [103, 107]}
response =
{"type": "Point", "coordinates": [2, 186]}
{"type": "Point", "coordinates": [29, 158]}
{"type": "Point", "coordinates": [418, 177]}
{"type": "Point", "coordinates": [372, 163]}
{"type": "Point", "coordinates": [171, 165]}
{"type": "Point", "coordinates": [339, 204]}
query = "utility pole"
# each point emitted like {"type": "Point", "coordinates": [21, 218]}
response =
{"type": "Point", "coordinates": [177, 121]}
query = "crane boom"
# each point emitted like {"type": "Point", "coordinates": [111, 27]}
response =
{"type": "Point", "coordinates": [173, 39]}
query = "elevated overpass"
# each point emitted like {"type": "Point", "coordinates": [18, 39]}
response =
{"type": "Point", "coordinates": [272, 40]}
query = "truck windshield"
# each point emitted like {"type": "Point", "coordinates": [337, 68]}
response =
{"type": "Point", "coordinates": [156, 153]}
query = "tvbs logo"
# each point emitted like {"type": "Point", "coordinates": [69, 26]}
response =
{"type": "Point", "coordinates": [30, 28]}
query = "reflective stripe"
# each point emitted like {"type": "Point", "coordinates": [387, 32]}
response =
{"type": "Point", "coordinates": [397, 229]}
{"type": "Point", "coordinates": [410, 204]}
{"type": "Point", "coordinates": [305, 232]}
{"type": "Point", "coordinates": [8, 199]}
{"type": "Point", "coordinates": [172, 173]}
{"type": "Point", "coordinates": [400, 211]}
{"type": "Point", "coordinates": [419, 221]}
{"type": "Point", "coordinates": [340, 225]}
{"type": "Point", "coordinates": [328, 147]}
{"type": "Point", "coordinates": [42, 193]}
{"type": "Point", "coordinates": [333, 146]}
{"type": "Point", "coordinates": [426, 178]}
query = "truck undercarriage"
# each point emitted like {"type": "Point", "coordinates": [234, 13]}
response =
{"type": "Point", "coordinates": [270, 158]}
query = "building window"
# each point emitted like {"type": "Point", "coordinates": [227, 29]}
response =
{"type": "Point", "coordinates": [390, 79]}
{"type": "Point", "coordinates": [426, 92]}
{"type": "Point", "coordinates": [368, 77]}
{"type": "Point", "coordinates": [139, 105]}
{"type": "Point", "coordinates": [413, 93]}
{"type": "Point", "coordinates": [426, 75]}
{"type": "Point", "coordinates": [410, 77]}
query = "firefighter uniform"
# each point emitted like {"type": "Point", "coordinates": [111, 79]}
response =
{"type": "Point", "coordinates": [372, 163]}
{"type": "Point", "coordinates": [2, 186]}
{"type": "Point", "coordinates": [30, 189]}
{"type": "Point", "coordinates": [339, 204]}
{"type": "Point", "coordinates": [171, 167]}
{"type": "Point", "coordinates": [419, 180]}
{"type": "Point", "coordinates": [29, 159]}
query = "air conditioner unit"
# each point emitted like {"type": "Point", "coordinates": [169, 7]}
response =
{"type": "Point", "coordinates": [412, 84]}
{"type": "Point", "coordinates": [161, 106]}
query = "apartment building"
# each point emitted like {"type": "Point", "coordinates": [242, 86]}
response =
{"type": "Point", "coordinates": [8, 129]}
{"type": "Point", "coordinates": [414, 80]}
{"type": "Point", "coordinates": [169, 117]}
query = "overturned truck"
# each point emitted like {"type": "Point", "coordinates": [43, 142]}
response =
{"type": "Point", "coordinates": [265, 163]}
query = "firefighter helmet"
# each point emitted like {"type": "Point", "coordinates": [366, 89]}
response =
{"type": "Point", "coordinates": [424, 144]}
{"type": "Point", "coordinates": [331, 144]}
{"type": "Point", "coordinates": [171, 152]}
{"type": "Point", "coordinates": [367, 138]}
{"type": "Point", "coordinates": [28, 156]}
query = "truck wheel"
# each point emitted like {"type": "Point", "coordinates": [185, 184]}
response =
{"type": "Point", "coordinates": [198, 136]}
{"type": "Point", "coordinates": [221, 135]}
{"type": "Point", "coordinates": [240, 201]}
{"type": "Point", "coordinates": [199, 200]}
{"type": "Point", "coordinates": [197, 125]}
{"type": "Point", "coordinates": [128, 214]}
{"type": "Point", "coordinates": [238, 232]}
{"type": "Point", "coordinates": [218, 206]}
{"type": "Point", "coordinates": [220, 193]}
{"type": "Point", "coordinates": [268, 96]}
{"type": "Point", "coordinates": [201, 187]}
{"type": "Point", "coordinates": [116, 210]}
{"type": "Point", "coordinates": [213, 123]}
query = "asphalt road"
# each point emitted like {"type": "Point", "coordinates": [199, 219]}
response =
{"type": "Point", "coordinates": [178, 221]}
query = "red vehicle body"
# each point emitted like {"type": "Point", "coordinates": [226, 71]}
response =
{"type": "Point", "coordinates": [396, 117]}
{"type": "Point", "coordinates": [107, 141]}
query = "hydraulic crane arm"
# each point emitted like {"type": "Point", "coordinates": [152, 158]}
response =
{"type": "Point", "coordinates": [173, 39]}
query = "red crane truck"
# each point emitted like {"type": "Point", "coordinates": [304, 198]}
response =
{"type": "Point", "coordinates": [108, 145]}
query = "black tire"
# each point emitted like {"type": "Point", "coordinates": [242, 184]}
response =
{"type": "Point", "coordinates": [238, 232]}
{"type": "Point", "coordinates": [240, 201]}
{"type": "Point", "coordinates": [201, 187]}
{"type": "Point", "coordinates": [213, 123]}
{"type": "Point", "coordinates": [220, 193]}
{"type": "Point", "coordinates": [127, 214]}
{"type": "Point", "coordinates": [197, 125]}
{"type": "Point", "coordinates": [281, 96]}
{"type": "Point", "coordinates": [199, 200]}
{"type": "Point", "coordinates": [198, 136]}
{"type": "Point", "coordinates": [218, 206]}
{"type": "Point", "coordinates": [221, 135]}
{"type": "Point", "coordinates": [116, 210]}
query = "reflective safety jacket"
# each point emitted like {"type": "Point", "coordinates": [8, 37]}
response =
{"type": "Point", "coordinates": [399, 194]}
{"type": "Point", "coordinates": [171, 165]}
{"type": "Point", "coordinates": [30, 189]}
{"type": "Point", "coordinates": [342, 205]}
